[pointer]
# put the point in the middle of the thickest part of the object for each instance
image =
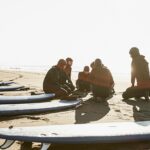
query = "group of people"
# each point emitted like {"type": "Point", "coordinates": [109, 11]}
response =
{"type": "Point", "coordinates": [99, 80]}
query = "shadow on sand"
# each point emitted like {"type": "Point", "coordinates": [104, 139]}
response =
{"type": "Point", "coordinates": [141, 109]}
{"type": "Point", "coordinates": [91, 111]}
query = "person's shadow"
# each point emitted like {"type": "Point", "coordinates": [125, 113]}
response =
{"type": "Point", "coordinates": [91, 111]}
{"type": "Point", "coordinates": [141, 109]}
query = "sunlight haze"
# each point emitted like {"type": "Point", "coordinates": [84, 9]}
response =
{"type": "Point", "coordinates": [39, 32]}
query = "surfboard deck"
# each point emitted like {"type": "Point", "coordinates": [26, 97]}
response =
{"type": "Point", "coordinates": [80, 133]}
{"type": "Point", "coordinates": [33, 108]}
{"type": "Point", "coordinates": [25, 99]}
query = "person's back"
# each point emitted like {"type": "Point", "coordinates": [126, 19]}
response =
{"type": "Point", "coordinates": [140, 69]}
{"type": "Point", "coordinates": [101, 76]}
{"type": "Point", "coordinates": [52, 78]}
{"type": "Point", "coordinates": [101, 80]}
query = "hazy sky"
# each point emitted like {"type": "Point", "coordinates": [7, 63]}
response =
{"type": "Point", "coordinates": [39, 32]}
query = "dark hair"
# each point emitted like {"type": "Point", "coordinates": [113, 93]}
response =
{"type": "Point", "coordinates": [134, 51]}
{"type": "Point", "coordinates": [69, 59]}
{"type": "Point", "coordinates": [61, 62]}
{"type": "Point", "coordinates": [97, 62]}
{"type": "Point", "coordinates": [86, 68]}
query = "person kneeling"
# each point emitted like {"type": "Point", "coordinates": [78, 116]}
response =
{"type": "Point", "coordinates": [139, 75]}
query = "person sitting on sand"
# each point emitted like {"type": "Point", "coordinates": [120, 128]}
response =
{"type": "Point", "coordinates": [68, 68]}
{"type": "Point", "coordinates": [82, 82]}
{"type": "Point", "coordinates": [140, 74]}
{"type": "Point", "coordinates": [56, 81]}
{"type": "Point", "coordinates": [101, 80]}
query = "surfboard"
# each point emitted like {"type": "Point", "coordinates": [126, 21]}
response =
{"type": "Point", "coordinates": [11, 88]}
{"type": "Point", "coordinates": [116, 132]}
{"type": "Point", "coordinates": [5, 83]}
{"type": "Point", "coordinates": [33, 108]}
{"type": "Point", "coordinates": [25, 99]}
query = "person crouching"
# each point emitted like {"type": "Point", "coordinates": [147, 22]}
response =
{"type": "Point", "coordinates": [101, 80]}
{"type": "Point", "coordinates": [54, 80]}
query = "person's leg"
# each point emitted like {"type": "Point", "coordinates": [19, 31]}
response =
{"type": "Point", "coordinates": [87, 86]}
{"type": "Point", "coordinates": [57, 90]}
{"type": "Point", "coordinates": [80, 85]}
{"type": "Point", "coordinates": [129, 93]}
{"type": "Point", "coordinates": [105, 92]}
{"type": "Point", "coordinates": [146, 94]}
{"type": "Point", "coordinates": [94, 90]}
{"type": "Point", "coordinates": [83, 86]}
{"type": "Point", "coordinates": [67, 88]}
{"type": "Point", "coordinates": [132, 92]}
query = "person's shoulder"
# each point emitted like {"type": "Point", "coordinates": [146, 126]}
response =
{"type": "Point", "coordinates": [107, 69]}
{"type": "Point", "coordinates": [53, 69]}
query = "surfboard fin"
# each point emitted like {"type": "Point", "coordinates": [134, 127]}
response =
{"type": "Point", "coordinates": [45, 146]}
{"type": "Point", "coordinates": [6, 144]}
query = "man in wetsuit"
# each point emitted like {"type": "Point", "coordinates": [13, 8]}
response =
{"type": "Point", "coordinates": [140, 75]}
{"type": "Point", "coordinates": [56, 81]}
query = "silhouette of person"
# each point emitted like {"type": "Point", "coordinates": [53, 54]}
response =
{"type": "Point", "coordinates": [140, 75]}
{"type": "Point", "coordinates": [56, 81]}
{"type": "Point", "coordinates": [82, 82]}
{"type": "Point", "coordinates": [101, 80]}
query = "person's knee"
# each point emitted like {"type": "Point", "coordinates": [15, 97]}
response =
{"type": "Point", "coordinates": [125, 96]}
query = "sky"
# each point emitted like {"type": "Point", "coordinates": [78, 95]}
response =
{"type": "Point", "coordinates": [39, 32]}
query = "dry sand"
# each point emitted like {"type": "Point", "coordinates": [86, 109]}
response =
{"type": "Point", "coordinates": [114, 110]}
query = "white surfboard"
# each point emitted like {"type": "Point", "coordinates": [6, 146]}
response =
{"type": "Point", "coordinates": [79, 133]}
{"type": "Point", "coordinates": [33, 108]}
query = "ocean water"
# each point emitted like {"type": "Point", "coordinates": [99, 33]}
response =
{"type": "Point", "coordinates": [122, 80]}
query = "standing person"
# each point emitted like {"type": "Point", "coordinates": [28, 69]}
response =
{"type": "Point", "coordinates": [140, 75]}
{"type": "Point", "coordinates": [54, 80]}
{"type": "Point", "coordinates": [68, 68]}
{"type": "Point", "coordinates": [82, 82]}
{"type": "Point", "coordinates": [101, 80]}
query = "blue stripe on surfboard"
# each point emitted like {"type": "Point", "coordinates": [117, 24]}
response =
{"type": "Point", "coordinates": [11, 88]}
{"type": "Point", "coordinates": [81, 133]}
{"type": "Point", "coordinates": [6, 83]}
{"type": "Point", "coordinates": [32, 108]}
{"type": "Point", "coordinates": [25, 99]}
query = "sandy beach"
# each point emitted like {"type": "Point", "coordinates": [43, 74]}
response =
{"type": "Point", "coordinates": [114, 110]}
